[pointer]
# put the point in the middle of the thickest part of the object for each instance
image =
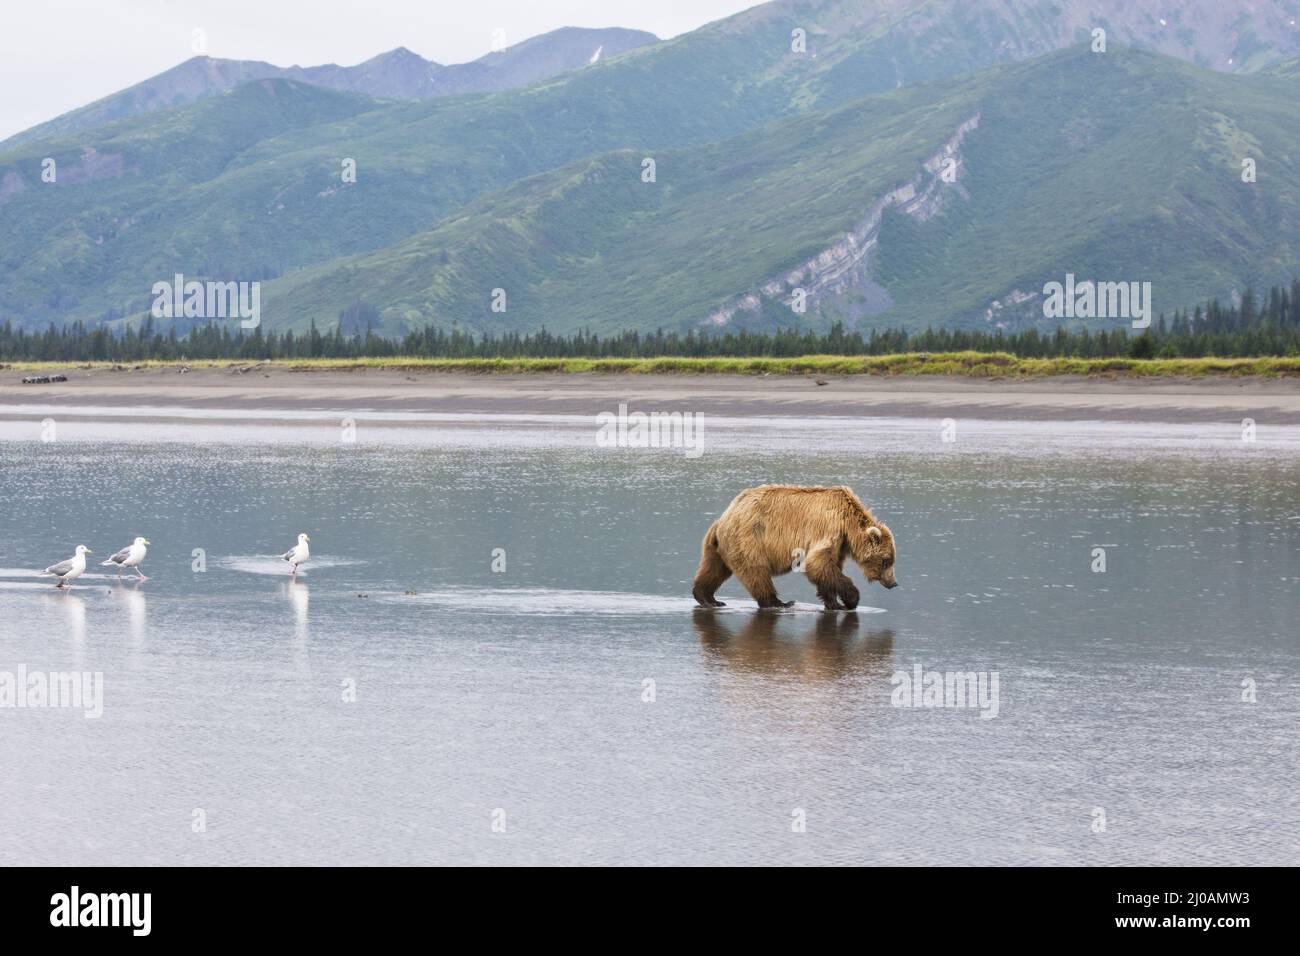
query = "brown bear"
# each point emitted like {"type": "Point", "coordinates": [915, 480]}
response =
{"type": "Point", "coordinates": [768, 530]}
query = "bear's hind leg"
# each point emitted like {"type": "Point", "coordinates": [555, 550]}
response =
{"type": "Point", "coordinates": [759, 584]}
{"type": "Point", "coordinates": [713, 571]}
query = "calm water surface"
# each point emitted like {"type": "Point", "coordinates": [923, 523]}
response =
{"type": "Point", "coordinates": [518, 695]}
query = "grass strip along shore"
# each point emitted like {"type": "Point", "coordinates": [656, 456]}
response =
{"type": "Point", "coordinates": [969, 364]}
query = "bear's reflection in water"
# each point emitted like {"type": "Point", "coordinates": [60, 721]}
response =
{"type": "Point", "coordinates": [833, 646]}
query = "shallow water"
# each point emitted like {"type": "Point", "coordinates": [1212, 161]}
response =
{"type": "Point", "coordinates": [517, 695]}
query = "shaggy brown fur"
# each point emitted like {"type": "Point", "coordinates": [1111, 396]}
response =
{"type": "Point", "coordinates": [766, 530]}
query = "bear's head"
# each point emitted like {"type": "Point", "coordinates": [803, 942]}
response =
{"type": "Point", "coordinates": [873, 550]}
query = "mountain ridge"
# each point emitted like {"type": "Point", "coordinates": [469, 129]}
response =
{"type": "Point", "coordinates": [394, 74]}
{"type": "Point", "coordinates": [889, 43]}
{"type": "Point", "coordinates": [737, 226]}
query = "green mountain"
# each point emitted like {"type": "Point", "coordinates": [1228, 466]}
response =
{"type": "Point", "coordinates": [149, 198]}
{"type": "Point", "coordinates": [1124, 166]}
{"type": "Point", "coordinates": [862, 48]}
{"type": "Point", "coordinates": [266, 200]}
{"type": "Point", "coordinates": [594, 245]}
{"type": "Point", "coordinates": [778, 167]}
{"type": "Point", "coordinates": [397, 74]}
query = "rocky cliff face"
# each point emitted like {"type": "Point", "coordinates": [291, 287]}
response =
{"type": "Point", "coordinates": [841, 273]}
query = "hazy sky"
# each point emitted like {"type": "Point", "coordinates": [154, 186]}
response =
{"type": "Point", "coordinates": [57, 55]}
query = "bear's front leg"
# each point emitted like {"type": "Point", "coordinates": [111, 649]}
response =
{"type": "Point", "coordinates": [848, 593]}
{"type": "Point", "coordinates": [829, 598]}
{"type": "Point", "coordinates": [823, 569]}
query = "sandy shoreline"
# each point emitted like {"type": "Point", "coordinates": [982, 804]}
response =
{"type": "Point", "coordinates": [1067, 398]}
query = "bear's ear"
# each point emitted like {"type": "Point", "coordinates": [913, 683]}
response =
{"type": "Point", "coordinates": [873, 533]}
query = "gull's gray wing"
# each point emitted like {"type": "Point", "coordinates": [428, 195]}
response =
{"type": "Point", "coordinates": [288, 555]}
{"type": "Point", "coordinates": [60, 569]}
{"type": "Point", "coordinates": [119, 557]}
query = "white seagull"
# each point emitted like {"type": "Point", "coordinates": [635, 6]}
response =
{"type": "Point", "coordinates": [72, 568]}
{"type": "Point", "coordinates": [298, 553]}
{"type": "Point", "coordinates": [129, 557]}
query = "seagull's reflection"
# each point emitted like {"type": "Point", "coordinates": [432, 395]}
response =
{"type": "Point", "coordinates": [831, 647]}
{"type": "Point", "coordinates": [136, 613]}
{"type": "Point", "coordinates": [297, 593]}
{"type": "Point", "coordinates": [74, 617]}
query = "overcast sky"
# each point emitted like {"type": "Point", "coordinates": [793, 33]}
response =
{"type": "Point", "coordinates": [57, 55]}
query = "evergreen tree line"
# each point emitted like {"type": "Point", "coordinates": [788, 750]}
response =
{"type": "Point", "coordinates": [1249, 328]}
